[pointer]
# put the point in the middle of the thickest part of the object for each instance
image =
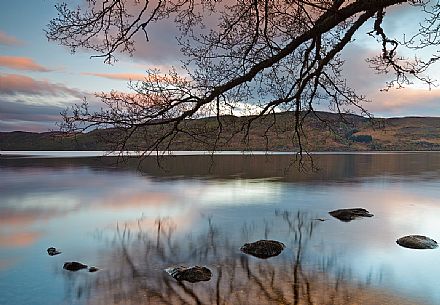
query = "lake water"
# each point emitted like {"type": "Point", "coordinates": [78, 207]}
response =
{"type": "Point", "coordinates": [134, 220]}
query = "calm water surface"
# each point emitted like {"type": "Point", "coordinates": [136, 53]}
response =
{"type": "Point", "coordinates": [134, 221]}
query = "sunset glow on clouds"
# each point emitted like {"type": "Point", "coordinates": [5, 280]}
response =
{"type": "Point", "coordinates": [407, 101]}
{"type": "Point", "coordinates": [21, 63]}
{"type": "Point", "coordinates": [118, 76]}
{"type": "Point", "coordinates": [37, 76]}
{"type": "Point", "coordinates": [15, 83]}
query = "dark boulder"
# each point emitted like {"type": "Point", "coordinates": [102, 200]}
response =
{"type": "Point", "coordinates": [347, 215]}
{"type": "Point", "coordinates": [263, 248]}
{"type": "Point", "coordinates": [190, 274]}
{"type": "Point", "coordinates": [53, 251]}
{"type": "Point", "coordinates": [417, 242]}
{"type": "Point", "coordinates": [74, 266]}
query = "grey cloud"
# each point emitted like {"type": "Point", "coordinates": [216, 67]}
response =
{"type": "Point", "coordinates": [365, 81]}
{"type": "Point", "coordinates": [19, 115]}
{"type": "Point", "coordinates": [357, 71]}
{"type": "Point", "coordinates": [162, 47]}
{"type": "Point", "coordinates": [13, 84]}
{"type": "Point", "coordinates": [6, 126]}
{"type": "Point", "coordinates": [18, 109]}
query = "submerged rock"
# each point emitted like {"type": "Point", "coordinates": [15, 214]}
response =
{"type": "Point", "coordinates": [190, 274]}
{"type": "Point", "coordinates": [53, 251]}
{"type": "Point", "coordinates": [93, 269]}
{"type": "Point", "coordinates": [348, 215]}
{"type": "Point", "coordinates": [74, 266]}
{"type": "Point", "coordinates": [263, 248]}
{"type": "Point", "coordinates": [417, 242]}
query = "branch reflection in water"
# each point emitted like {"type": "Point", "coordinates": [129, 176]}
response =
{"type": "Point", "coordinates": [304, 273]}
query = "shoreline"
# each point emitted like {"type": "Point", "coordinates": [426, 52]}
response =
{"type": "Point", "coordinates": [5, 154]}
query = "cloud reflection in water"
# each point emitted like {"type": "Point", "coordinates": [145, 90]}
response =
{"type": "Point", "coordinates": [77, 206]}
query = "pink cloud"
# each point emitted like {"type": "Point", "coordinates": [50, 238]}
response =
{"type": "Point", "coordinates": [119, 76]}
{"type": "Point", "coordinates": [21, 63]}
{"type": "Point", "coordinates": [411, 100]}
{"type": "Point", "coordinates": [7, 40]}
{"type": "Point", "coordinates": [34, 104]}
{"type": "Point", "coordinates": [407, 100]}
{"type": "Point", "coordinates": [132, 76]}
{"type": "Point", "coordinates": [16, 84]}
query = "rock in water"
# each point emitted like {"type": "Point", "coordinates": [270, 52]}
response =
{"type": "Point", "coordinates": [190, 274]}
{"type": "Point", "coordinates": [263, 248]}
{"type": "Point", "coordinates": [348, 215]}
{"type": "Point", "coordinates": [417, 242]}
{"type": "Point", "coordinates": [93, 269]}
{"type": "Point", "coordinates": [53, 251]}
{"type": "Point", "coordinates": [74, 266]}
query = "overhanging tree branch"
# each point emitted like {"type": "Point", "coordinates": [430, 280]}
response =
{"type": "Point", "coordinates": [273, 54]}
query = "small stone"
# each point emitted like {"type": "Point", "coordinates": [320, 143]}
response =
{"type": "Point", "coordinates": [319, 219]}
{"type": "Point", "coordinates": [53, 251]}
{"type": "Point", "coordinates": [263, 248]}
{"type": "Point", "coordinates": [93, 269]}
{"type": "Point", "coordinates": [347, 215]}
{"type": "Point", "coordinates": [417, 242]}
{"type": "Point", "coordinates": [74, 266]}
{"type": "Point", "coordinates": [190, 274]}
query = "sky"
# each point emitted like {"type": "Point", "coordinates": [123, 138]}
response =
{"type": "Point", "coordinates": [39, 79]}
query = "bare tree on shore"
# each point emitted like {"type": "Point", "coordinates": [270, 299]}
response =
{"type": "Point", "coordinates": [275, 55]}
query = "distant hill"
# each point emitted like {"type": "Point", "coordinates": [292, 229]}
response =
{"type": "Point", "coordinates": [355, 134]}
{"type": "Point", "coordinates": [20, 140]}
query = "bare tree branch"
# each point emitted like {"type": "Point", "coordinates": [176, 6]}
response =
{"type": "Point", "coordinates": [275, 55]}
